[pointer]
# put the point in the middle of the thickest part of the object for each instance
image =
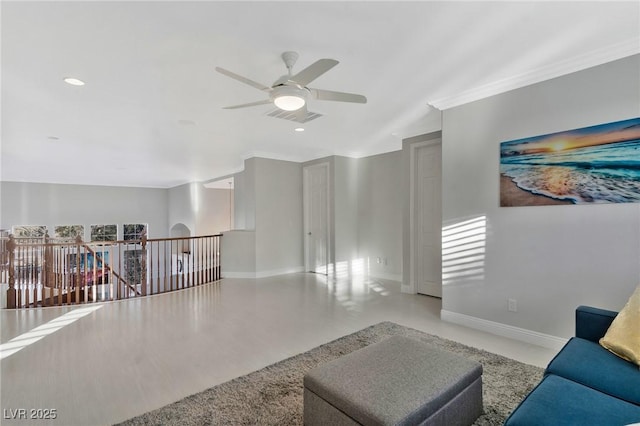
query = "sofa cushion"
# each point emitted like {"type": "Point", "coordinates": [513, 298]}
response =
{"type": "Point", "coordinates": [557, 401]}
{"type": "Point", "coordinates": [592, 323]}
{"type": "Point", "coordinates": [588, 363]}
{"type": "Point", "coordinates": [623, 337]}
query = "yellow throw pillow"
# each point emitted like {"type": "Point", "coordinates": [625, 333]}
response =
{"type": "Point", "coordinates": [623, 336]}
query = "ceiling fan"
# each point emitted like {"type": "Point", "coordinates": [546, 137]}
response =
{"type": "Point", "coordinates": [290, 92]}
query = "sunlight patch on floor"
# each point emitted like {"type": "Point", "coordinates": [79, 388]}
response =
{"type": "Point", "coordinates": [22, 341]}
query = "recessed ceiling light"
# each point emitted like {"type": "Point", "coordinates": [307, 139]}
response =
{"type": "Point", "coordinates": [73, 81]}
{"type": "Point", "coordinates": [299, 129]}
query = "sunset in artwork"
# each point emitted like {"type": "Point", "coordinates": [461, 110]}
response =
{"type": "Point", "coordinates": [597, 164]}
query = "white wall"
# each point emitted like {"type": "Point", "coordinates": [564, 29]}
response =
{"type": "Point", "coordinates": [551, 258]}
{"type": "Point", "coordinates": [54, 204]}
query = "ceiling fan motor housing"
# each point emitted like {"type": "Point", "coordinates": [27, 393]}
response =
{"type": "Point", "coordinates": [290, 59]}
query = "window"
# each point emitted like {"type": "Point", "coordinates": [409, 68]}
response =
{"type": "Point", "coordinates": [29, 231]}
{"type": "Point", "coordinates": [104, 233]}
{"type": "Point", "coordinates": [133, 266]}
{"type": "Point", "coordinates": [69, 232]}
{"type": "Point", "coordinates": [134, 231]}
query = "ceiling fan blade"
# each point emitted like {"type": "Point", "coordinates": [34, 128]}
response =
{"type": "Point", "coordinates": [243, 79]}
{"type": "Point", "coordinates": [314, 71]}
{"type": "Point", "coordinates": [329, 95]}
{"type": "Point", "coordinates": [250, 104]}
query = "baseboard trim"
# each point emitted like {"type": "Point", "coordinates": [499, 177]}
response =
{"type": "Point", "coordinates": [262, 274]}
{"type": "Point", "coordinates": [516, 333]}
{"type": "Point", "coordinates": [226, 274]}
{"type": "Point", "coordinates": [390, 277]}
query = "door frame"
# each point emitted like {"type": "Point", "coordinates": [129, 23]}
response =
{"type": "Point", "coordinates": [326, 166]}
{"type": "Point", "coordinates": [413, 148]}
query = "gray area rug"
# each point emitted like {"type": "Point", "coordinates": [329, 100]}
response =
{"type": "Point", "coordinates": [273, 395]}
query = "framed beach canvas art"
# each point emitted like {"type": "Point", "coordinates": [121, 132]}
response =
{"type": "Point", "coordinates": [596, 164]}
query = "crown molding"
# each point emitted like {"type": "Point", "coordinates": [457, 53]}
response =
{"type": "Point", "coordinates": [577, 63]}
{"type": "Point", "coordinates": [274, 156]}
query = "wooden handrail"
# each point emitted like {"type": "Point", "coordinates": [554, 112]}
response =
{"type": "Point", "coordinates": [57, 273]}
{"type": "Point", "coordinates": [66, 241]}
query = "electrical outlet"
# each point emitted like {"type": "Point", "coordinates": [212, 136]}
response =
{"type": "Point", "coordinates": [379, 260]}
{"type": "Point", "coordinates": [513, 305]}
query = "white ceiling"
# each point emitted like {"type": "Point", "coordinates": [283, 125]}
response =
{"type": "Point", "coordinates": [151, 112]}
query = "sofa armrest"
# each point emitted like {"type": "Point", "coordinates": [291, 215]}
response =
{"type": "Point", "coordinates": [593, 323]}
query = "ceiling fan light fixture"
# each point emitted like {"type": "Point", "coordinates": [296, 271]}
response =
{"type": "Point", "coordinates": [289, 98]}
{"type": "Point", "coordinates": [289, 103]}
{"type": "Point", "coordinates": [73, 81]}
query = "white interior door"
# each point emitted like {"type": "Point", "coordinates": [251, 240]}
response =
{"type": "Point", "coordinates": [316, 217]}
{"type": "Point", "coordinates": [428, 215]}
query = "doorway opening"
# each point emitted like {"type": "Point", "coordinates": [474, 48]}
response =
{"type": "Point", "coordinates": [316, 196]}
{"type": "Point", "coordinates": [426, 217]}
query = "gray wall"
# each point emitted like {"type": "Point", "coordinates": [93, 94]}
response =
{"type": "Point", "coordinates": [366, 213]}
{"type": "Point", "coordinates": [54, 204]}
{"type": "Point", "coordinates": [238, 255]}
{"type": "Point", "coordinates": [181, 206]}
{"type": "Point", "coordinates": [205, 211]}
{"type": "Point", "coordinates": [345, 211]}
{"type": "Point", "coordinates": [269, 193]}
{"type": "Point", "coordinates": [551, 258]}
{"type": "Point", "coordinates": [268, 207]}
{"type": "Point", "coordinates": [215, 212]}
{"type": "Point", "coordinates": [245, 196]}
{"type": "Point", "coordinates": [380, 213]}
{"type": "Point", "coordinates": [278, 215]}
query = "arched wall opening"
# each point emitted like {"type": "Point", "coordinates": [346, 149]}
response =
{"type": "Point", "coordinates": [180, 230]}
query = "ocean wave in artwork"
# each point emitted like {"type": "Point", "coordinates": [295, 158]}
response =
{"type": "Point", "coordinates": [573, 184]}
{"type": "Point", "coordinates": [600, 164]}
{"type": "Point", "coordinates": [601, 174]}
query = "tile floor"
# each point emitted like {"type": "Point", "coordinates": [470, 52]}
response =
{"type": "Point", "coordinates": [116, 360]}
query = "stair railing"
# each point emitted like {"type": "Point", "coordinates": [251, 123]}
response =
{"type": "Point", "coordinates": [46, 272]}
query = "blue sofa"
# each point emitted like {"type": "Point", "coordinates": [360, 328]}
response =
{"type": "Point", "coordinates": [584, 384]}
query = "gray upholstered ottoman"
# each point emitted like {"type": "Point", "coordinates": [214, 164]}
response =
{"type": "Point", "coordinates": [398, 381]}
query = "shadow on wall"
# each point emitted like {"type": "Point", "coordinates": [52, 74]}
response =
{"type": "Point", "coordinates": [180, 230]}
{"type": "Point", "coordinates": [463, 251]}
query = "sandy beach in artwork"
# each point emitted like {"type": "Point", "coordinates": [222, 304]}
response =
{"type": "Point", "coordinates": [511, 195]}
